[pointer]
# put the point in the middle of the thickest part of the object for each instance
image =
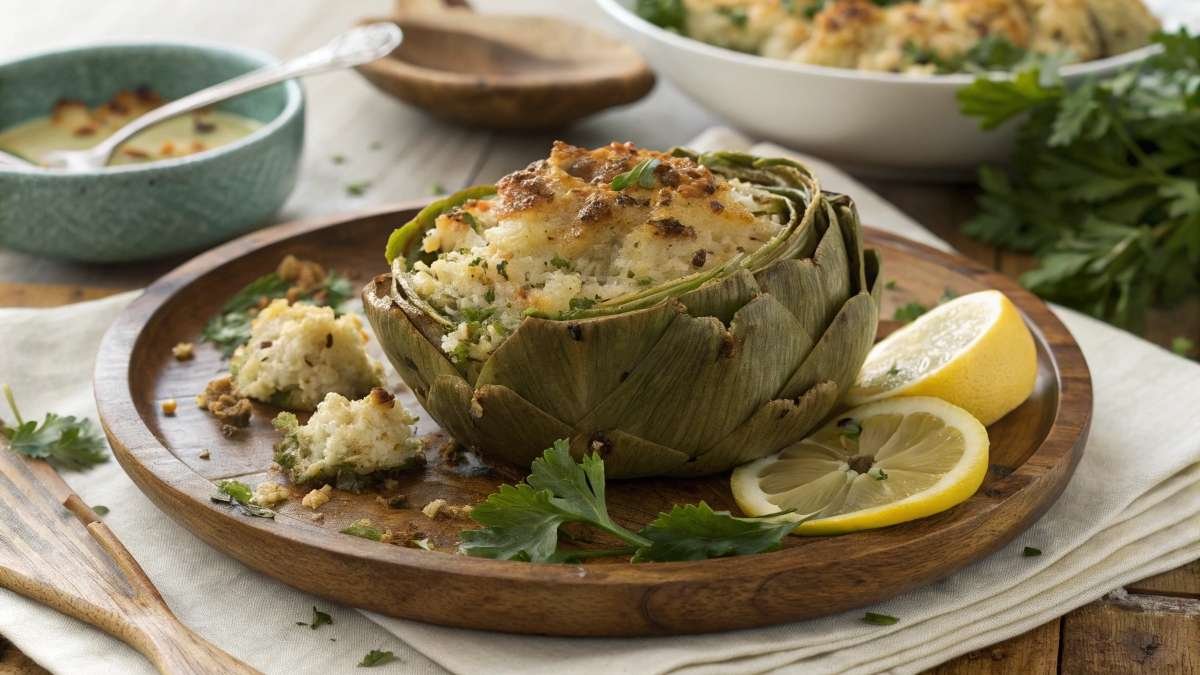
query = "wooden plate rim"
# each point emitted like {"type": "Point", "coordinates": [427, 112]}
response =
{"type": "Point", "coordinates": [162, 475]}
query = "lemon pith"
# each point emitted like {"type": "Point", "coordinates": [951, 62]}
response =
{"type": "Point", "coordinates": [877, 465]}
{"type": "Point", "coordinates": [974, 351]}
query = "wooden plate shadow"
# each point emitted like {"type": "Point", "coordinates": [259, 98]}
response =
{"type": "Point", "coordinates": [1034, 452]}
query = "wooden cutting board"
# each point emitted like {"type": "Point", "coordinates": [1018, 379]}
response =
{"type": "Point", "coordinates": [1034, 451]}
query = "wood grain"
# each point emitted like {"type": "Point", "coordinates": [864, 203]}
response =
{"type": "Point", "coordinates": [55, 550]}
{"type": "Point", "coordinates": [1031, 653]}
{"type": "Point", "coordinates": [1132, 634]}
{"type": "Point", "coordinates": [501, 71]}
{"type": "Point", "coordinates": [1034, 452]}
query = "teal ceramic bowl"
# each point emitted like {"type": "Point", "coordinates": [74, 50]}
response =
{"type": "Point", "coordinates": [160, 208]}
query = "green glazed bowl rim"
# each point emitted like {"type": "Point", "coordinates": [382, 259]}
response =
{"type": "Point", "coordinates": [293, 105]}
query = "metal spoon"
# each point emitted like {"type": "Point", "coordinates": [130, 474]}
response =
{"type": "Point", "coordinates": [354, 47]}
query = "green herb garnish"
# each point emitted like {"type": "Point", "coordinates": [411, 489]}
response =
{"type": "Point", "coordinates": [376, 658]}
{"type": "Point", "coordinates": [69, 443]}
{"type": "Point", "coordinates": [502, 269]}
{"type": "Point", "coordinates": [358, 188]}
{"type": "Point", "coordinates": [1031, 552]}
{"type": "Point", "coordinates": [669, 14]}
{"type": "Point", "coordinates": [1104, 182]}
{"type": "Point", "coordinates": [319, 619]}
{"type": "Point", "coordinates": [642, 174]}
{"type": "Point", "coordinates": [560, 263]}
{"type": "Point", "coordinates": [736, 15]}
{"type": "Point", "coordinates": [1183, 346]}
{"type": "Point", "coordinates": [521, 521]}
{"type": "Point", "coordinates": [363, 528]}
{"type": "Point", "coordinates": [850, 428]}
{"type": "Point", "coordinates": [909, 312]}
{"type": "Point", "coordinates": [437, 189]}
{"type": "Point", "coordinates": [876, 619]}
{"type": "Point", "coordinates": [880, 474]}
{"type": "Point", "coordinates": [239, 494]}
{"type": "Point", "coordinates": [581, 303]}
{"type": "Point", "coordinates": [231, 328]}
{"type": "Point", "coordinates": [100, 510]}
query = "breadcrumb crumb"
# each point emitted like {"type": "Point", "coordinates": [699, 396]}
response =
{"type": "Point", "coordinates": [316, 498]}
{"type": "Point", "coordinates": [184, 351]}
{"type": "Point", "coordinates": [169, 406]}
{"type": "Point", "coordinates": [434, 508]}
{"type": "Point", "coordinates": [269, 494]}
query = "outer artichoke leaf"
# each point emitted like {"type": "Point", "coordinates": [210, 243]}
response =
{"type": "Point", "coordinates": [701, 381]}
{"type": "Point", "coordinates": [772, 427]}
{"type": "Point", "coordinates": [568, 368]}
{"type": "Point", "coordinates": [502, 417]}
{"type": "Point", "coordinates": [450, 403]}
{"type": "Point", "coordinates": [840, 351]}
{"type": "Point", "coordinates": [415, 358]}
{"type": "Point", "coordinates": [846, 216]}
{"type": "Point", "coordinates": [812, 289]}
{"type": "Point", "coordinates": [403, 237]}
{"type": "Point", "coordinates": [628, 456]}
{"type": "Point", "coordinates": [873, 267]}
{"type": "Point", "coordinates": [722, 298]}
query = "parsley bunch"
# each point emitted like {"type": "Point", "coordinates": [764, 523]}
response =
{"type": "Point", "coordinates": [231, 328]}
{"type": "Point", "coordinates": [521, 522]}
{"type": "Point", "coordinates": [1104, 183]}
{"type": "Point", "coordinates": [66, 442]}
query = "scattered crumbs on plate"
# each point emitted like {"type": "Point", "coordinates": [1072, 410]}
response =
{"type": "Point", "coordinates": [183, 351]}
{"type": "Point", "coordinates": [169, 407]}
{"type": "Point", "coordinates": [205, 454]}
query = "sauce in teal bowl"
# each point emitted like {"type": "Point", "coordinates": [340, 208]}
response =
{"type": "Point", "coordinates": [156, 208]}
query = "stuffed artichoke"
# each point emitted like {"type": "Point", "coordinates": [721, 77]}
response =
{"type": "Point", "coordinates": [679, 313]}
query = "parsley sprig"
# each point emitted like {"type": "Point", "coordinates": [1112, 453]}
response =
{"type": "Point", "coordinates": [67, 442]}
{"type": "Point", "coordinates": [1104, 183]}
{"type": "Point", "coordinates": [230, 329]}
{"type": "Point", "coordinates": [521, 522]}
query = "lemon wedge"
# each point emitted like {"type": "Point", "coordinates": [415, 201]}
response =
{"type": "Point", "coordinates": [883, 463]}
{"type": "Point", "coordinates": [973, 351]}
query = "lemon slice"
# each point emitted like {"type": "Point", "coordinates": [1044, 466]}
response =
{"type": "Point", "coordinates": [883, 463]}
{"type": "Point", "coordinates": [973, 351]}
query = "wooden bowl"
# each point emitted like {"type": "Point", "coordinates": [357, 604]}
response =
{"type": "Point", "coordinates": [1034, 451]}
{"type": "Point", "coordinates": [507, 72]}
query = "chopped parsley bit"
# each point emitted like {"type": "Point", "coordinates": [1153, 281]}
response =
{"type": "Point", "coordinates": [876, 619]}
{"type": "Point", "coordinates": [909, 312]}
{"type": "Point", "coordinates": [582, 303]}
{"type": "Point", "coordinates": [560, 263]}
{"type": "Point", "coordinates": [948, 295]}
{"type": "Point", "coordinates": [338, 159]}
{"type": "Point", "coordinates": [376, 145]}
{"type": "Point", "coordinates": [475, 262]}
{"type": "Point", "coordinates": [476, 314]}
{"type": "Point", "coordinates": [363, 528]}
{"type": "Point", "coordinates": [489, 296]}
{"type": "Point", "coordinates": [880, 474]}
{"type": "Point", "coordinates": [850, 427]}
{"type": "Point", "coordinates": [100, 510]}
{"type": "Point", "coordinates": [890, 285]}
{"type": "Point", "coordinates": [238, 493]}
{"type": "Point", "coordinates": [358, 188]}
{"type": "Point", "coordinates": [471, 221]}
{"type": "Point", "coordinates": [894, 370]}
{"type": "Point", "coordinates": [1182, 346]}
{"type": "Point", "coordinates": [641, 174]}
{"type": "Point", "coordinates": [319, 619]}
{"type": "Point", "coordinates": [376, 658]}
{"type": "Point", "coordinates": [437, 189]}
{"type": "Point", "coordinates": [645, 281]}
{"type": "Point", "coordinates": [66, 442]}
{"type": "Point", "coordinates": [502, 269]}
{"type": "Point", "coordinates": [1031, 552]}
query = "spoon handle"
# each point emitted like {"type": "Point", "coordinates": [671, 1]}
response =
{"type": "Point", "coordinates": [354, 47]}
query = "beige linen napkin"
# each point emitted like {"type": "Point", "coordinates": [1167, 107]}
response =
{"type": "Point", "coordinates": [1132, 509]}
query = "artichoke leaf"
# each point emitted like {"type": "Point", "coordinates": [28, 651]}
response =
{"type": "Point", "coordinates": [557, 366]}
{"type": "Point", "coordinates": [450, 401]}
{"type": "Point", "coordinates": [841, 350]}
{"type": "Point", "coordinates": [501, 416]}
{"type": "Point", "coordinates": [771, 428]}
{"type": "Point", "coordinates": [418, 360]}
{"type": "Point", "coordinates": [702, 380]}
{"type": "Point", "coordinates": [627, 455]}
{"type": "Point", "coordinates": [814, 289]}
{"type": "Point", "coordinates": [722, 298]}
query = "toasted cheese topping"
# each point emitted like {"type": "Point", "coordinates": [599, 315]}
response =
{"type": "Point", "coordinates": [579, 228]}
{"type": "Point", "coordinates": [917, 37]}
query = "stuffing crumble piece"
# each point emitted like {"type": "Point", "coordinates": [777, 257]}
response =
{"type": "Point", "coordinates": [205, 454]}
{"type": "Point", "coordinates": [315, 499]}
{"type": "Point", "coordinates": [269, 494]}
{"type": "Point", "coordinates": [184, 351]}
{"type": "Point", "coordinates": [221, 399]}
{"type": "Point", "coordinates": [303, 275]}
{"type": "Point", "coordinates": [169, 406]}
{"type": "Point", "coordinates": [433, 509]}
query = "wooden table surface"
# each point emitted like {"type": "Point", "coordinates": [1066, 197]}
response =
{"type": "Point", "coordinates": [1150, 626]}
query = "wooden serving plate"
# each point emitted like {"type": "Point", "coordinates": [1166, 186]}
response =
{"type": "Point", "coordinates": [1034, 452]}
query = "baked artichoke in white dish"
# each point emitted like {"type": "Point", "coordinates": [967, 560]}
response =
{"type": "Point", "coordinates": [679, 313]}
